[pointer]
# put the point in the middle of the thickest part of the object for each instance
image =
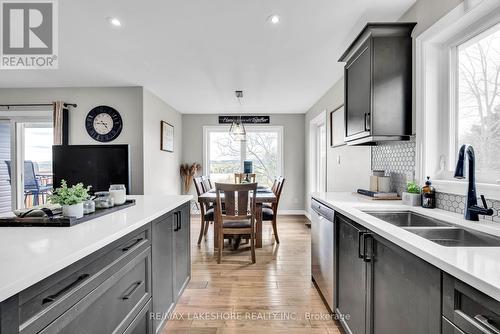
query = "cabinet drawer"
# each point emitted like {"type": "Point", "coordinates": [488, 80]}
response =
{"type": "Point", "coordinates": [468, 309]}
{"type": "Point", "coordinates": [142, 323]}
{"type": "Point", "coordinates": [40, 304]}
{"type": "Point", "coordinates": [111, 306]}
{"type": "Point", "coordinates": [449, 328]}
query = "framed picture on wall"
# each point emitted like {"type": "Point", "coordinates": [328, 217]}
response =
{"type": "Point", "coordinates": [337, 127]}
{"type": "Point", "coordinates": [167, 137]}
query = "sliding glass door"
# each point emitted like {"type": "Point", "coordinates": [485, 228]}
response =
{"type": "Point", "coordinates": [224, 156]}
{"type": "Point", "coordinates": [6, 199]}
{"type": "Point", "coordinates": [25, 160]}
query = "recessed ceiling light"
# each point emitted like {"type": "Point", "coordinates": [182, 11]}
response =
{"type": "Point", "coordinates": [274, 19]}
{"type": "Point", "coordinates": [114, 21]}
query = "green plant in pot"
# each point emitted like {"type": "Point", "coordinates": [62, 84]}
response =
{"type": "Point", "coordinates": [70, 198]}
{"type": "Point", "coordinates": [412, 194]}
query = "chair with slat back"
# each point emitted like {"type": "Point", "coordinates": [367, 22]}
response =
{"type": "Point", "coordinates": [207, 183]}
{"type": "Point", "coordinates": [238, 218]}
{"type": "Point", "coordinates": [206, 212]}
{"type": "Point", "coordinates": [271, 213]}
{"type": "Point", "coordinates": [242, 177]}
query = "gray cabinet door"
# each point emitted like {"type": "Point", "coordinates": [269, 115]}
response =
{"type": "Point", "coordinates": [404, 291]}
{"type": "Point", "coordinates": [162, 259]}
{"type": "Point", "coordinates": [351, 277]}
{"type": "Point", "coordinates": [358, 92]}
{"type": "Point", "coordinates": [182, 254]}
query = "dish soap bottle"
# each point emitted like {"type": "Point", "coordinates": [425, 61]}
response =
{"type": "Point", "coordinates": [428, 195]}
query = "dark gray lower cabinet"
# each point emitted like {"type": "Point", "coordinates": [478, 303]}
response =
{"type": "Point", "coordinates": [467, 310]}
{"type": "Point", "coordinates": [142, 322]}
{"type": "Point", "coordinates": [113, 305]}
{"type": "Point", "coordinates": [351, 271]}
{"type": "Point", "coordinates": [382, 288]}
{"type": "Point", "coordinates": [182, 252]}
{"type": "Point", "coordinates": [163, 269]}
{"type": "Point", "coordinates": [404, 291]}
{"type": "Point", "coordinates": [114, 290]}
{"type": "Point", "coordinates": [171, 261]}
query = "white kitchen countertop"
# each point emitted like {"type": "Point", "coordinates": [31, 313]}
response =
{"type": "Point", "coordinates": [30, 254]}
{"type": "Point", "coordinates": [476, 266]}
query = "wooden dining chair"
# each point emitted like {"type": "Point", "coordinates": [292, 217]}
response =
{"type": "Point", "coordinates": [271, 214]}
{"type": "Point", "coordinates": [238, 219]}
{"type": "Point", "coordinates": [241, 177]}
{"type": "Point", "coordinates": [207, 183]}
{"type": "Point", "coordinates": [206, 212]}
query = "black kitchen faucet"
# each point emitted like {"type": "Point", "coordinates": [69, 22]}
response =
{"type": "Point", "coordinates": [472, 210]}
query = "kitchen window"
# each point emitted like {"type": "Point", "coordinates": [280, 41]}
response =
{"type": "Point", "coordinates": [458, 97]}
{"type": "Point", "coordinates": [224, 156]}
{"type": "Point", "coordinates": [477, 118]}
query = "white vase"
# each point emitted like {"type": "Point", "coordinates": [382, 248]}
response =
{"type": "Point", "coordinates": [75, 210]}
{"type": "Point", "coordinates": [412, 199]}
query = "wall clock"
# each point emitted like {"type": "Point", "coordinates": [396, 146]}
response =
{"type": "Point", "coordinates": [104, 123]}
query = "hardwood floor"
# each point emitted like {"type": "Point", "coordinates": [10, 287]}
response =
{"type": "Point", "coordinates": [275, 295]}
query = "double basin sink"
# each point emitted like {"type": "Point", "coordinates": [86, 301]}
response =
{"type": "Point", "coordinates": [437, 231]}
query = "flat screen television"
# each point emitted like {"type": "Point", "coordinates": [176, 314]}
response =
{"type": "Point", "coordinates": [95, 165]}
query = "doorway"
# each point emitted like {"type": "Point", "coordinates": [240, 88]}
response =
{"type": "Point", "coordinates": [317, 149]}
{"type": "Point", "coordinates": [25, 160]}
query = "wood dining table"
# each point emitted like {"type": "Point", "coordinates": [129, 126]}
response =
{"type": "Point", "coordinates": [264, 195]}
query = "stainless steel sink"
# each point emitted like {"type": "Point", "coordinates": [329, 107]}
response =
{"type": "Point", "coordinates": [407, 219]}
{"type": "Point", "coordinates": [435, 230]}
{"type": "Point", "coordinates": [457, 237]}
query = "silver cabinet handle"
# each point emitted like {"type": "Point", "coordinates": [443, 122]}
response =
{"type": "Point", "coordinates": [485, 322]}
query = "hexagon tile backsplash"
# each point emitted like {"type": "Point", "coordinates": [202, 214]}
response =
{"type": "Point", "coordinates": [398, 161]}
{"type": "Point", "coordinates": [456, 203]}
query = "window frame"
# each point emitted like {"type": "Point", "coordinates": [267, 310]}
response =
{"type": "Point", "coordinates": [249, 128]}
{"type": "Point", "coordinates": [436, 70]}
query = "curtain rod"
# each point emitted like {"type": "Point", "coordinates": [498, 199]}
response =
{"type": "Point", "coordinates": [74, 105]}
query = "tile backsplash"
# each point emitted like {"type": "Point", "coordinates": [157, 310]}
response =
{"type": "Point", "coordinates": [398, 160]}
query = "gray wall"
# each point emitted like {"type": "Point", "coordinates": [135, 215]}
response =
{"type": "Point", "coordinates": [354, 168]}
{"type": "Point", "coordinates": [127, 100]}
{"type": "Point", "coordinates": [293, 151]}
{"type": "Point", "coordinates": [161, 169]}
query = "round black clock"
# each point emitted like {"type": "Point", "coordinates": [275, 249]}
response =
{"type": "Point", "coordinates": [104, 123]}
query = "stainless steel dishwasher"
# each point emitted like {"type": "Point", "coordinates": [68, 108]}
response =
{"type": "Point", "coordinates": [323, 251]}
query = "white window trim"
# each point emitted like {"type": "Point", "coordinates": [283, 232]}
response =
{"type": "Point", "coordinates": [262, 128]}
{"type": "Point", "coordinates": [434, 91]}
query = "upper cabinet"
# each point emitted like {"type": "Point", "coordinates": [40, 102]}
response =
{"type": "Point", "coordinates": [378, 84]}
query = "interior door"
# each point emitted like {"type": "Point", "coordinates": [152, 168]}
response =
{"type": "Point", "coordinates": [351, 280]}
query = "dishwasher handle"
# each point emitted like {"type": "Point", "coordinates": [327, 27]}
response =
{"type": "Point", "coordinates": [322, 210]}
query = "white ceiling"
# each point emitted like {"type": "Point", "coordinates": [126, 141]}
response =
{"type": "Point", "coordinates": [195, 53]}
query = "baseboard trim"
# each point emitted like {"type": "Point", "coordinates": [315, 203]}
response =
{"type": "Point", "coordinates": [292, 212]}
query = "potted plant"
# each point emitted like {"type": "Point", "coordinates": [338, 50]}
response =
{"type": "Point", "coordinates": [412, 195]}
{"type": "Point", "coordinates": [70, 198]}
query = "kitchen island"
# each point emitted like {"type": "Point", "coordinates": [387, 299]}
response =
{"type": "Point", "coordinates": [390, 279]}
{"type": "Point", "coordinates": [105, 275]}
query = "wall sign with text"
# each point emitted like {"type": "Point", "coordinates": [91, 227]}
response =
{"type": "Point", "coordinates": [245, 119]}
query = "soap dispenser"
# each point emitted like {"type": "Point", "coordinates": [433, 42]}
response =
{"type": "Point", "coordinates": [428, 195]}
